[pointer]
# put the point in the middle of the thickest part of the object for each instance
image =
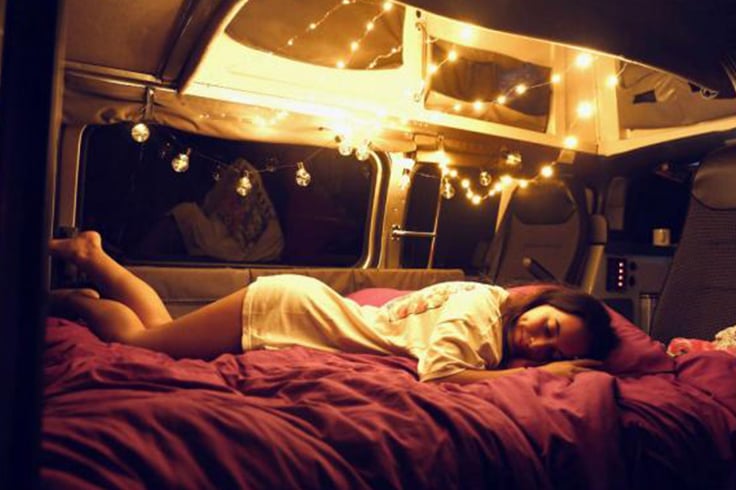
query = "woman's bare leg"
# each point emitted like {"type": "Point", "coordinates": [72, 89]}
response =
{"type": "Point", "coordinates": [131, 311]}
{"type": "Point", "coordinates": [113, 280]}
{"type": "Point", "coordinates": [204, 333]}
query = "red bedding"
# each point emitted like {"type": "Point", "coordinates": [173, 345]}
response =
{"type": "Point", "coordinates": [122, 417]}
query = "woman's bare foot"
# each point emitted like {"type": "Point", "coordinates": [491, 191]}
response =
{"type": "Point", "coordinates": [77, 250]}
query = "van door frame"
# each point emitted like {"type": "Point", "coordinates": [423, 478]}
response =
{"type": "Point", "coordinates": [29, 127]}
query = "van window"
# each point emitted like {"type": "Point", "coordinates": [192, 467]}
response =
{"type": "Point", "coordinates": [324, 33]}
{"type": "Point", "coordinates": [464, 229]}
{"type": "Point", "coordinates": [656, 199]}
{"type": "Point", "coordinates": [183, 197]}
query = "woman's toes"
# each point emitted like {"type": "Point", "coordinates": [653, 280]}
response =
{"type": "Point", "coordinates": [78, 248]}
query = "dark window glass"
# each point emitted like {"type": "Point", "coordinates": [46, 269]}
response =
{"type": "Point", "coordinates": [235, 202]}
{"type": "Point", "coordinates": [323, 32]}
{"type": "Point", "coordinates": [656, 200]}
{"type": "Point", "coordinates": [483, 76]}
{"type": "Point", "coordinates": [464, 229]}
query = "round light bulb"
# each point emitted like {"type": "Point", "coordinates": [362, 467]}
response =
{"type": "Point", "coordinates": [584, 60]}
{"type": "Point", "coordinates": [485, 178]}
{"type": "Point", "coordinates": [363, 151]}
{"type": "Point", "coordinates": [448, 191]}
{"type": "Point", "coordinates": [513, 158]}
{"type": "Point", "coordinates": [585, 110]}
{"type": "Point", "coordinates": [405, 180]}
{"type": "Point", "coordinates": [180, 163]}
{"type": "Point", "coordinates": [345, 148]}
{"type": "Point", "coordinates": [244, 185]}
{"type": "Point", "coordinates": [547, 171]}
{"type": "Point", "coordinates": [140, 133]}
{"type": "Point", "coordinates": [303, 178]}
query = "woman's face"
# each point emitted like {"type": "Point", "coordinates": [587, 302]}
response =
{"type": "Point", "coordinates": [545, 333]}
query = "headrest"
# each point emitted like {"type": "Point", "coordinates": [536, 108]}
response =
{"type": "Point", "coordinates": [543, 203]}
{"type": "Point", "coordinates": [715, 180]}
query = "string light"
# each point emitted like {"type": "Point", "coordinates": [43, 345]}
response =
{"type": "Point", "coordinates": [303, 178]}
{"type": "Point", "coordinates": [466, 34]}
{"type": "Point", "coordinates": [512, 158]}
{"type": "Point", "coordinates": [570, 142]}
{"type": "Point", "coordinates": [244, 185]}
{"type": "Point", "coordinates": [405, 179]}
{"type": "Point", "coordinates": [505, 181]}
{"type": "Point", "coordinates": [584, 60]}
{"type": "Point", "coordinates": [140, 132]}
{"type": "Point", "coordinates": [180, 163]}
{"type": "Point", "coordinates": [363, 151]}
{"type": "Point", "coordinates": [344, 147]}
{"type": "Point", "coordinates": [585, 110]}
{"type": "Point", "coordinates": [485, 178]}
{"type": "Point", "coordinates": [448, 191]}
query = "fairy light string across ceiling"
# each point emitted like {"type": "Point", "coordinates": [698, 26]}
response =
{"type": "Point", "coordinates": [346, 144]}
{"type": "Point", "coordinates": [450, 178]}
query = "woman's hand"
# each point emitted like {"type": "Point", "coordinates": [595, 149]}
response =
{"type": "Point", "coordinates": [570, 368]}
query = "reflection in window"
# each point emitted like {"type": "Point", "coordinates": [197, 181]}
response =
{"type": "Point", "coordinates": [183, 197]}
{"type": "Point", "coordinates": [333, 33]}
{"type": "Point", "coordinates": [464, 229]}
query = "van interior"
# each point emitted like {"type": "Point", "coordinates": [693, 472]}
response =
{"type": "Point", "coordinates": [380, 147]}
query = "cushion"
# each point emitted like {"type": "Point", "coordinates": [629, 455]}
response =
{"type": "Point", "coordinates": [636, 354]}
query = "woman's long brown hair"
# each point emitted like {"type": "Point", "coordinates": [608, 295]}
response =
{"type": "Point", "coordinates": [572, 301]}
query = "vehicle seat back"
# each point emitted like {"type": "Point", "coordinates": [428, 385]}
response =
{"type": "Point", "coordinates": [546, 223]}
{"type": "Point", "coordinates": [698, 297]}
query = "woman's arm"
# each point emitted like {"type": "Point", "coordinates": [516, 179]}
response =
{"type": "Point", "coordinates": [474, 375]}
{"type": "Point", "coordinates": [567, 369]}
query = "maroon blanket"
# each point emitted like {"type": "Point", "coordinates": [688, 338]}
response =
{"type": "Point", "coordinates": [123, 417]}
